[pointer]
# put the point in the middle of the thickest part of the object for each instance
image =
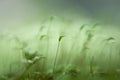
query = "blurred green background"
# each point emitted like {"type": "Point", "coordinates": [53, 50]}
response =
{"type": "Point", "coordinates": [28, 20]}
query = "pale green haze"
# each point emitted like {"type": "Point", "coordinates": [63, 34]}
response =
{"type": "Point", "coordinates": [59, 40]}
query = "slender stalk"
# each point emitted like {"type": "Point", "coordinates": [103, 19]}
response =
{"type": "Point", "coordinates": [110, 58]}
{"type": "Point", "coordinates": [26, 70]}
{"type": "Point", "coordinates": [91, 65]}
{"type": "Point", "coordinates": [110, 40]}
{"type": "Point", "coordinates": [74, 43]}
{"type": "Point", "coordinates": [82, 55]}
{"type": "Point", "coordinates": [47, 46]}
{"type": "Point", "coordinates": [56, 56]}
{"type": "Point", "coordinates": [57, 52]}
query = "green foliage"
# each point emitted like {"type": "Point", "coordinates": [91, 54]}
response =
{"type": "Point", "coordinates": [30, 55]}
{"type": "Point", "coordinates": [35, 63]}
{"type": "Point", "coordinates": [43, 36]}
{"type": "Point", "coordinates": [82, 27]}
{"type": "Point", "coordinates": [72, 70]}
{"type": "Point", "coordinates": [60, 38]}
{"type": "Point", "coordinates": [110, 39]}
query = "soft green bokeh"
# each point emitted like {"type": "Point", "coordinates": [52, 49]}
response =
{"type": "Point", "coordinates": [89, 47]}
